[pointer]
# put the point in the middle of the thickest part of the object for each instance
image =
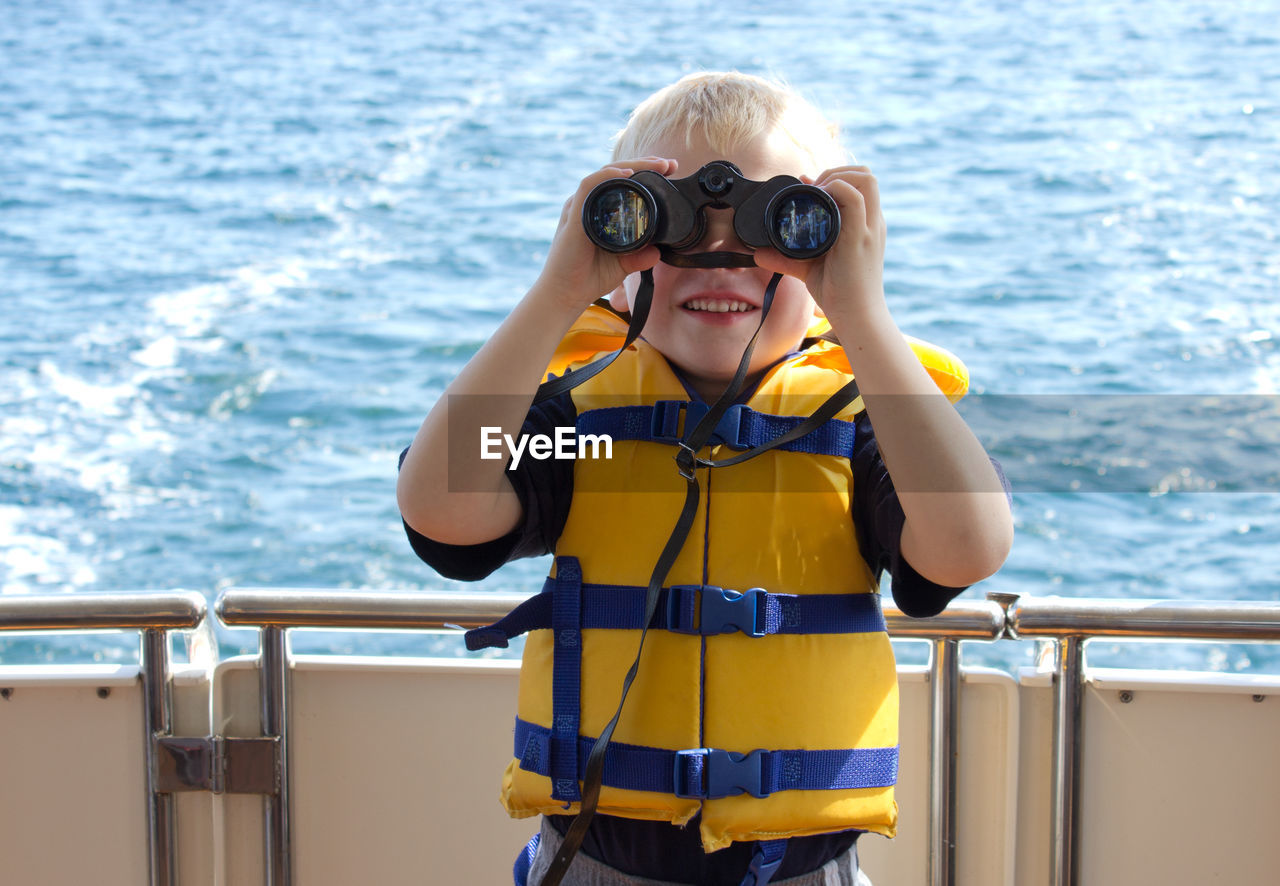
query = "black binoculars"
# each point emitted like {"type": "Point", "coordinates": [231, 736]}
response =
{"type": "Point", "coordinates": [624, 214]}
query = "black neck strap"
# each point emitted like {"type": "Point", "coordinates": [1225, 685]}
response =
{"type": "Point", "coordinates": [639, 314]}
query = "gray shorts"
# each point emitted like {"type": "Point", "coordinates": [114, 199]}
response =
{"type": "Point", "coordinates": [586, 871]}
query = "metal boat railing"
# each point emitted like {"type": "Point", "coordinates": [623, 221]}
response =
{"type": "Point", "coordinates": [274, 611]}
{"type": "Point", "coordinates": [153, 614]}
{"type": "Point", "coordinates": [1067, 623]}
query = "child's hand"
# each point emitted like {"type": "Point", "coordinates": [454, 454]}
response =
{"type": "Point", "coordinates": [578, 272]}
{"type": "Point", "coordinates": [850, 277]}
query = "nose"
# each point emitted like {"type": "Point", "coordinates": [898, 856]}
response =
{"type": "Point", "coordinates": [719, 235]}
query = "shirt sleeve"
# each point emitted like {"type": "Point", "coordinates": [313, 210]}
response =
{"type": "Point", "coordinates": [545, 490]}
{"type": "Point", "coordinates": [879, 519]}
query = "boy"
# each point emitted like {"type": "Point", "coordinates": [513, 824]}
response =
{"type": "Point", "coordinates": [801, 722]}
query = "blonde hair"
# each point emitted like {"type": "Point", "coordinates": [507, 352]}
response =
{"type": "Point", "coordinates": [729, 109]}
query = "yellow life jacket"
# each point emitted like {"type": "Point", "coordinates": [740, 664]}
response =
{"type": "Point", "coordinates": [786, 734]}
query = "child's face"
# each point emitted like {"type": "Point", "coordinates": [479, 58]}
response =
{"type": "Point", "coordinates": [688, 323]}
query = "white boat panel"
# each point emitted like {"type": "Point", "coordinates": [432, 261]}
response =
{"type": "Point", "coordinates": [237, 845]}
{"type": "Point", "coordinates": [986, 790]}
{"type": "Point", "coordinates": [72, 776]}
{"type": "Point", "coordinates": [396, 772]}
{"type": "Point", "coordinates": [987, 783]}
{"type": "Point", "coordinates": [191, 686]}
{"type": "Point", "coordinates": [1180, 783]}
{"type": "Point", "coordinates": [396, 764]}
{"type": "Point", "coordinates": [63, 676]}
{"type": "Point", "coordinates": [396, 768]}
{"type": "Point", "coordinates": [1034, 768]}
{"type": "Point", "coordinates": [1216, 683]}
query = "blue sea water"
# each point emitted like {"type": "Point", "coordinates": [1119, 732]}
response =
{"type": "Point", "coordinates": [244, 246]}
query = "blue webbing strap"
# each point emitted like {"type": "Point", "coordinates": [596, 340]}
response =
{"type": "Point", "coordinates": [717, 611]}
{"type": "Point", "coordinates": [566, 679]}
{"type": "Point", "coordinates": [765, 862]}
{"type": "Point", "coordinates": [532, 614]}
{"type": "Point", "coordinates": [524, 861]}
{"type": "Point", "coordinates": [823, 414]}
{"type": "Point", "coordinates": [741, 427]}
{"type": "Point", "coordinates": [711, 773]}
{"type": "Point", "coordinates": [693, 609]}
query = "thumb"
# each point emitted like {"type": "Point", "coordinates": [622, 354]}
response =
{"type": "Point", "coordinates": [772, 260]}
{"type": "Point", "coordinates": [640, 260]}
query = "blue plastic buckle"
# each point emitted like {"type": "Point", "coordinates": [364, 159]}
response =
{"type": "Point", "coordinates": [718, 774]}
{"type": "Point", "coordinates": [720, 611]}
{"type": "Point", "coordinates": [729, 428]}
{"type": "Point", "coordinates": [666, 427]}
{"type": "Point", "coordinates": [765, 862]}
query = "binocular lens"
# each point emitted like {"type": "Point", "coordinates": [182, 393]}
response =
{"type": "Point", "coordinates": [618, 217]}
{"type": "Point", "coordinates": [802, 225]}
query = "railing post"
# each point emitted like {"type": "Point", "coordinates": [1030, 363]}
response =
{"type": "Point", "coordinates": [275, 723]}
{"type": "Point", "coordinates": [1068, 681]}
{"type": "Point", "coordinates": [944, 686]}
{"type": "Point", "coordinates": [157, 712]}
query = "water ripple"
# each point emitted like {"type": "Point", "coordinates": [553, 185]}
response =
{"type": "Point", "coordinates": [243, 249]}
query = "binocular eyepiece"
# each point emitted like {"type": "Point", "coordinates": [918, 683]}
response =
{"type": "Point", "coordinates": [625, 214]}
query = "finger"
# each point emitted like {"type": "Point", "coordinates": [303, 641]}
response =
{"type": "Point", "coordinates": [772, 260]}
{"type": "Point", "coordinates": [640, 260]}
{"type": "Point", "coordinates": [623, 169]}
{"type": "Point", "coordinates": [600, 176]}
{"type": "Point", "coordinates": [608, 173]}
{"type": "Point", "coordinates": [866, 185]}
{"type": "Point", "coordinates": [661, 165]}
{"type": "Point", "coordinates": [850, 199]}
{"type": "Point", "coordinates": [848, 173]}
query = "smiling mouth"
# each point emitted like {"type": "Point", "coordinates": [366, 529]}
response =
{"type": "Point", "coordinates": [718, 306]}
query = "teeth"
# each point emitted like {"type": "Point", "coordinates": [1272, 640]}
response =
{"type": "Point", "coordinates": [718, 305]}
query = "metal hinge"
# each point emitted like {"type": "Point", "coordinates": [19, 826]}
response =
{"type": "Point", "coordinates": [217, 764]}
